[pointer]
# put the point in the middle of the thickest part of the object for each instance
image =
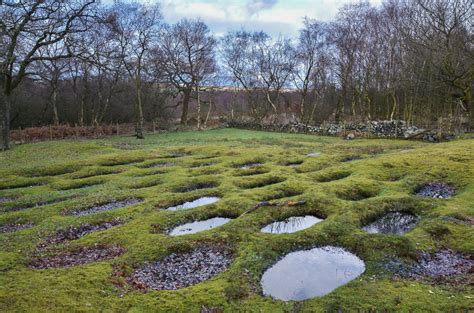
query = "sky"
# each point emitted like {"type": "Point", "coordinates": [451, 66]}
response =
{"type": "Point", "coordinates": [274, 17]}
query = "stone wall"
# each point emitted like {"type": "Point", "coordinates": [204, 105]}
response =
{"type": "Point", "coordinates": [377, 129]}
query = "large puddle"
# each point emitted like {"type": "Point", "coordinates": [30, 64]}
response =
{"type": "Point", "coordinates": [392, 223]}
{"type": "Point", "coordinates": [194, 204]}
{"type": "Point", "coordinates": [199, 226]}
{"type": "Point", "coordinates": [311, 273]}
{"type": "Point", "coordinates": [291, 224]}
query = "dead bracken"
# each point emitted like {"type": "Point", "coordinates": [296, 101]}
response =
{"type": "Point", "coordinates": [106, 207]}
{"type": "Point", "coordinates": [159, 165]}
{"type": "Point", "coordinates": [80, 256]}
{"type": "Point", "coordinates": [179, 270]}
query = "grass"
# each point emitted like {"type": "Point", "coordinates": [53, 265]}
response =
{"type": "Point", "coordinates": [49, 180]}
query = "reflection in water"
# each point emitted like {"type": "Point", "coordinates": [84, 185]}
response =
{"type": "Point", "coordinates": [196, 227]}
{"type": "Point", "coordinates": [392, 223]}
{"type": "Point", "coordinates": [194, 204]}
{"type": "Point", "coordinates": [314, 154]}
{"type": "Point", "coordinates": [311, 273]}
{"type": "Point", "coordinates": [291, 224]}
{"type": "Point", "coordinates": [250, 165]}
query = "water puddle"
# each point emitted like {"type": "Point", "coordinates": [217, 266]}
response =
{"type": "Point", "coordinates": [392, 223]}
{"type": "Point", "coordinates": [194, 204]}
{"type": "Point", "coordinates": [199, 226]}
{"type": "Point", "coordinates": [314, 154]}
{"type": "Point", "coordinates": [249, 166]}
{"type": "Point", "coordinates": [311, 273]}
{"type": "Point", "coordinates": [291, 225]}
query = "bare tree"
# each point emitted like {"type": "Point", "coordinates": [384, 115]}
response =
{"type": "Point", "coordinates": [25, 28]}
{"type": "Point", "coordinates": [186, 56]}
{"type": "Point", "coordinates": [136, 27]}
{"type": "Point", "coordinates": [311, 64]}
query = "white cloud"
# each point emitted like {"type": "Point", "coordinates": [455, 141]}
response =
{"type": "Point", "coordinates": [272, 16]}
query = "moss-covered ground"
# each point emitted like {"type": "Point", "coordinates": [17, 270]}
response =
{"type": "Point", "coordinates": [48, 181]}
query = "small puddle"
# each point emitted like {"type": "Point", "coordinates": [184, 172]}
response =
{"type": "Point", "coordinates": [199, 226]}
{"type": "Point", "coordinates": [314, 154]}
{"type": "Point", "coordinates": [291, 225]}
{"type": "Point", "coordinates": [249, 166]}
{"type": "Point", "coordinates": [311, 273]}
{"type": "Point", "coordinates": [194, 204]}
{"type": "Point", "coordinates": [392, 223]}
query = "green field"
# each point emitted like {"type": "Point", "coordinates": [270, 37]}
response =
{"type": "Point", "coordinates": [86, 172]}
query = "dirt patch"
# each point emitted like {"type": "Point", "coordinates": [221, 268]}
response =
{"type": "Point", "coordinates": [158, 165]}
{"type": "Point", "coordinates": [179, 270]}
{"type": "Point", "coordinates": [80, 256]}
{"type": "Point", "coordinates": [203, 164]}
{"type": "Point", "coordinates": [196, 186]}
{"type": "Point", "coordinates": [256, 183]}
{"type": "Point", "coordinates": [73, 233]}
{"type": "Point", "coordinates": [106, 207]}
{"type": "Point", "coordinates": [294, 163]}
{"type": "Point", "coordinates": [9, 228]}
{"type": "Point", "coordinates": [6, 199]}
{"type": "Point", "coordinates": [436, 190]}
{"type": "Point", "coordinates": [441, 267]}
{"type": "Point", "coordinates": [351, 158]}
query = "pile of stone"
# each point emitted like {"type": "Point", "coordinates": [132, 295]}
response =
{"type": "Point", "coordinates": [436, 190]}
{"type": "Point", "coordinates": [383, 129]}
{"type": "Point", "coordinates": [179, 270]}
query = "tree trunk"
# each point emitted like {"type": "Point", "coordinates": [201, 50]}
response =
{"type": "Point", "coordinates": [5, 105]}
{"type": "Point", "coordinates": [139, 113]}
{"type": "Point", "coordinates": [184, 113]}
{"type": "Point", "coordinates": [54, 102]}
{"type": "Point", "coordinates": [198, 108]}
